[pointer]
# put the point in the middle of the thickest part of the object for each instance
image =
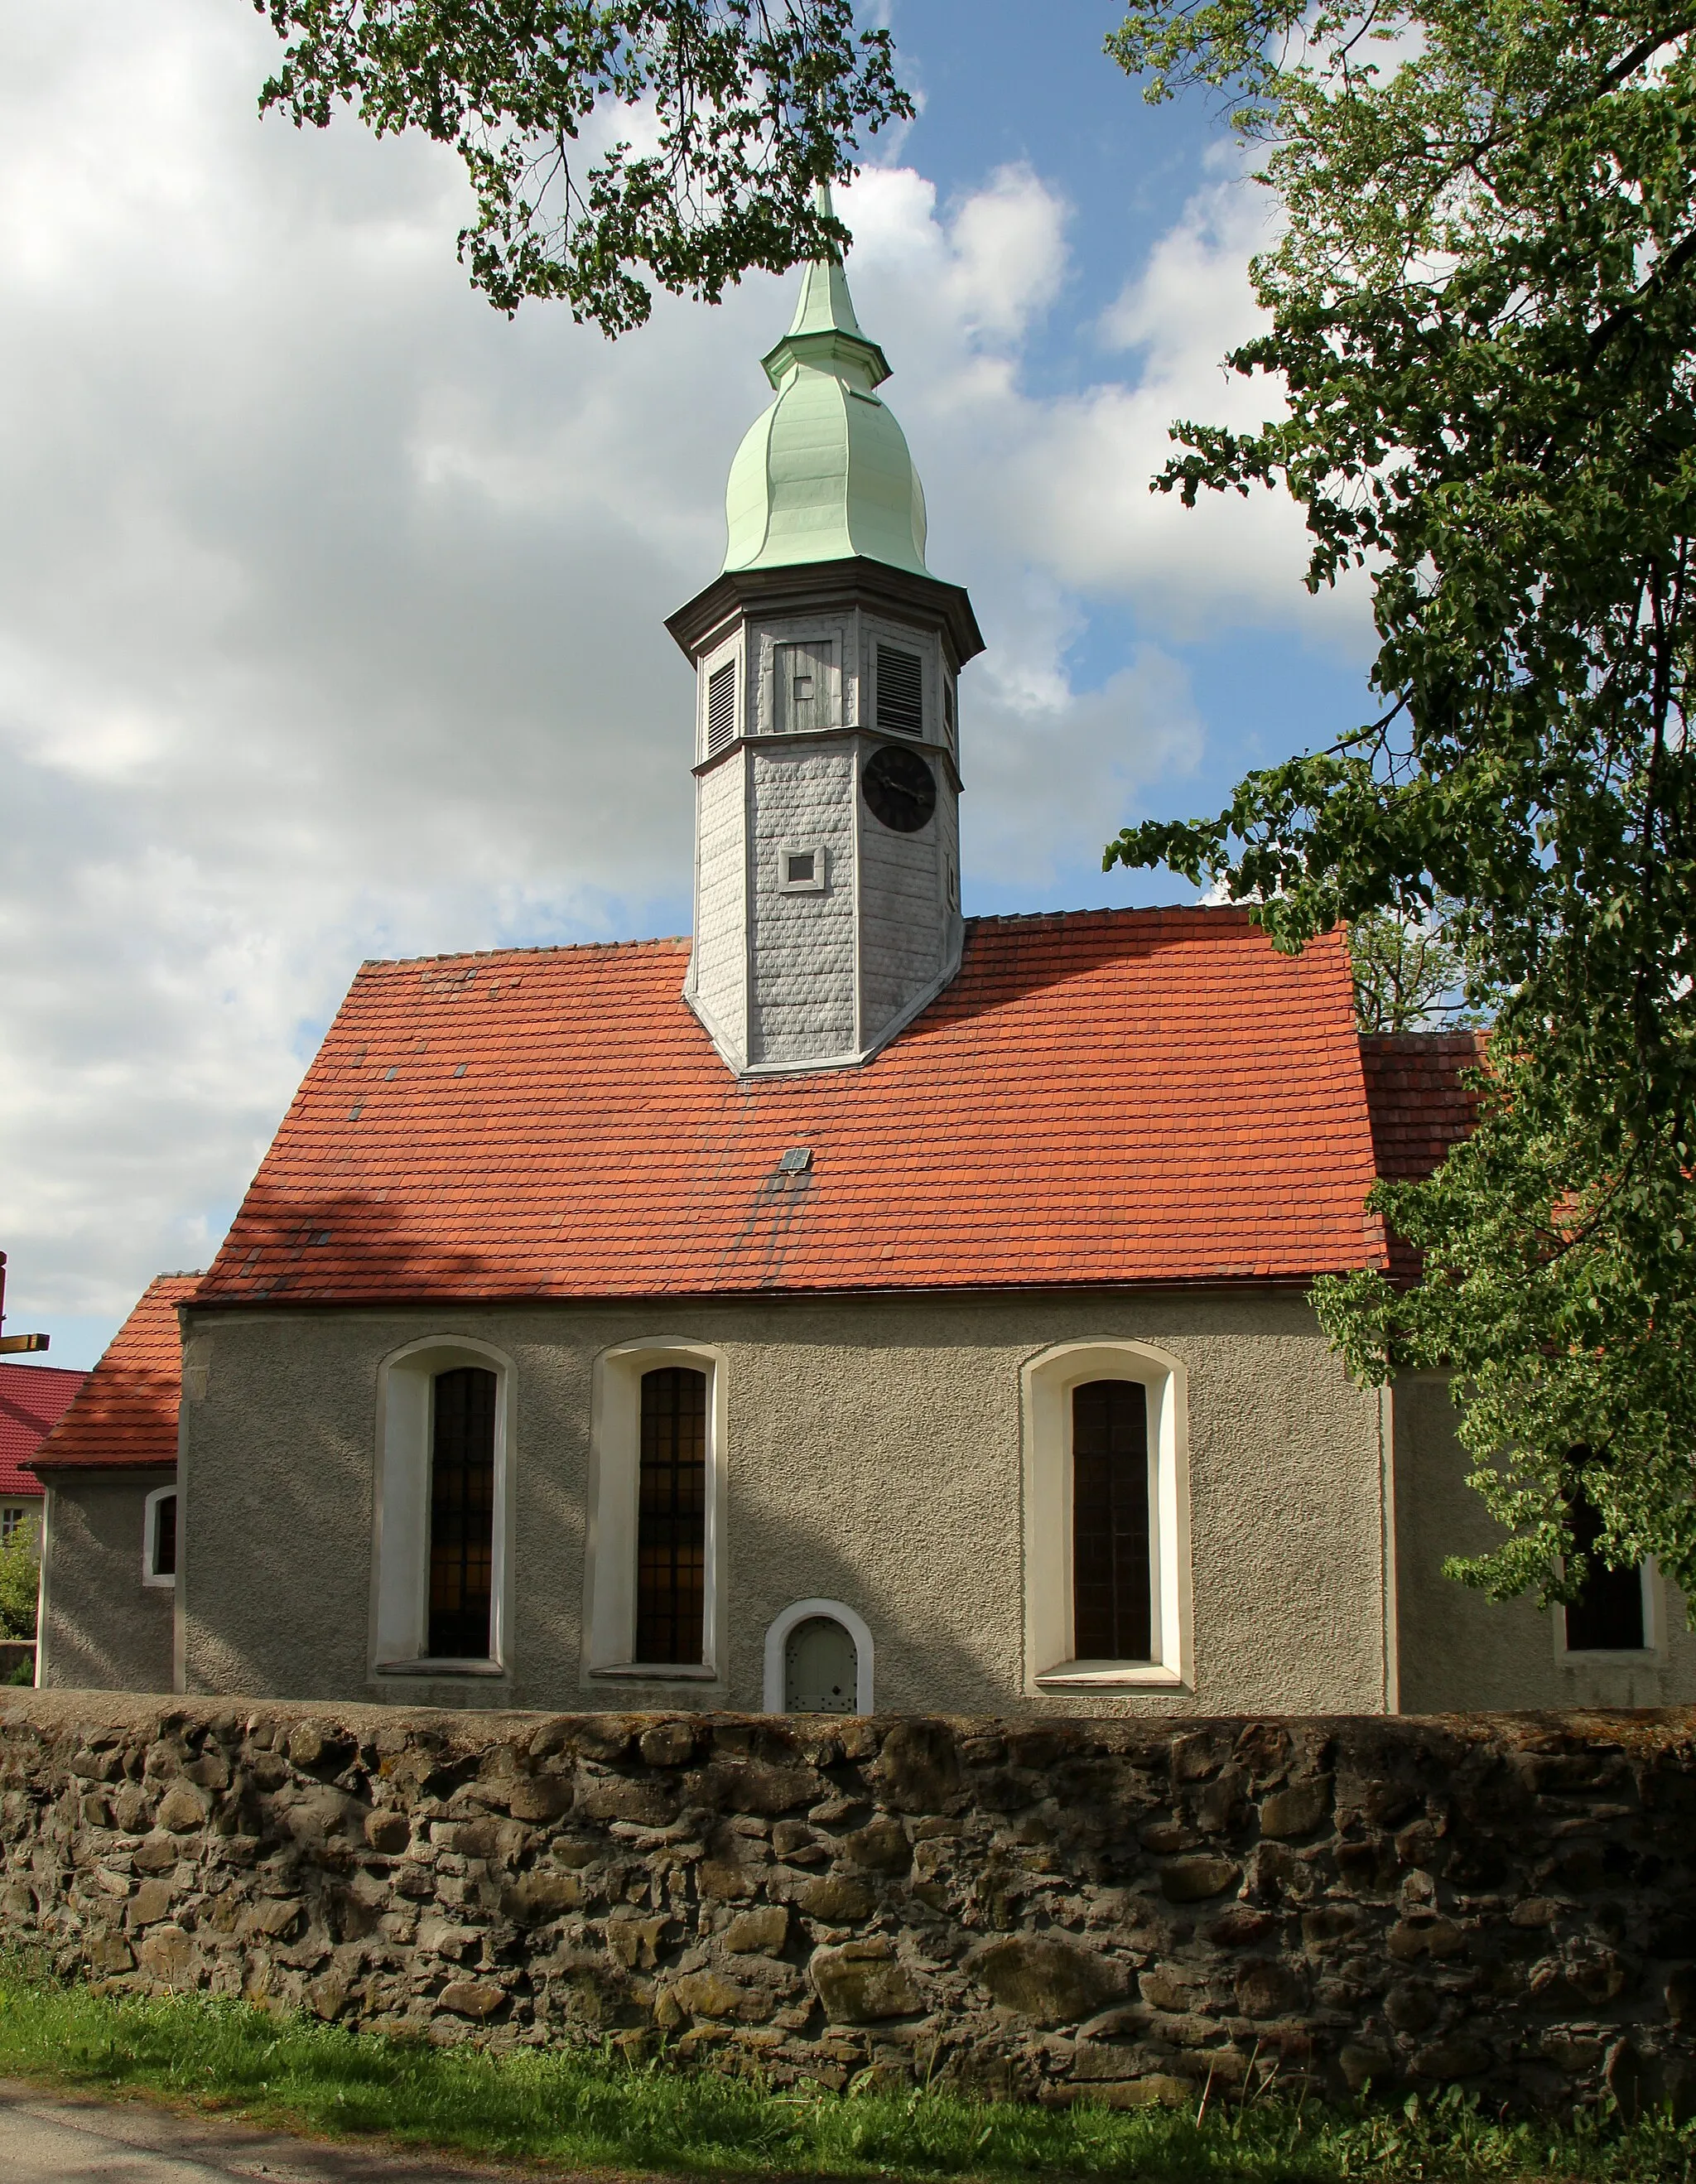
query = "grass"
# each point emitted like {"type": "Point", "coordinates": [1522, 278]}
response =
{"type": "Point", "coordinates": [583, 2110]}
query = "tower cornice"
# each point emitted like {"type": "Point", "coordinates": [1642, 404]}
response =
{"type": "Point", "coordinates": [806, 586]}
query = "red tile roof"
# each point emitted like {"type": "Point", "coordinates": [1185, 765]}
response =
{"type": "Point", "coordinates": [1105, 1097]}
{"type": "Point", "coordinates": [31, 1397]}
{"type": "Point", "coordinates": [125, 1411]}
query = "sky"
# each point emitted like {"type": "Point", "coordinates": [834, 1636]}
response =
{"type": "Point", "coordinates": [331, 600]}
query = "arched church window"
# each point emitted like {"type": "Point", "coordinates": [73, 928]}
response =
{"type": "Point", "coordinates": [1112, 1580]}
{"type": "Point", "coordinates": [671, 1521]}
{"type": "Point", "coordinates": [158, 1537]}
{"type": "Point", "coordinates": [1608, 1616]}
{"type": "Point", "coordinates": [462, 1512]}
{"type": "Point", "coordinates": [899, 788]}
{"type": "Point", "coordinates": [820, 1667]}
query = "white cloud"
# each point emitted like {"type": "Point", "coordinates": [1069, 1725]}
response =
{"type": "Point", "coordinates": [1083, 477]}
{"type": "Point", "coordinates": [330, 602]}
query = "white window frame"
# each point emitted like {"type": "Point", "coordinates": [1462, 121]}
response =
{"type": "Point", "coordinates": [1048, 1380]}
{"type": "Point", "coordinates": [832, 1611]}
{"type": "Point", "coordinates": [614, 1479]}
{"type": "Point", "coordinates": [165, 1580]}
{"type": "Point", "coordinates": [400, 1589]}
{"type": "Point", "coordinates": [1598, 1656]}
{"type": "Point", "coordinates": [819, 852]}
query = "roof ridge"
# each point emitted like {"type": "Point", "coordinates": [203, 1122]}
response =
{"type": "Point", "coordinates": [1115, 911]}
{"type": "Point", "coordinates": [537, 947]}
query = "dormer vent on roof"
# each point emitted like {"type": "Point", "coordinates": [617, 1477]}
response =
{"type": "Point", "coordinates": [827, 762]}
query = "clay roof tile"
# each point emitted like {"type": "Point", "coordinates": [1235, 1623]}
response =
{"type": "Point", "coordinates": [125, 1411]}
{"type": "Point", "coordinates": [1107, 1096]}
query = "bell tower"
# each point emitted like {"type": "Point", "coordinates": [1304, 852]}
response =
{"type": "Point", "coordinates": [827, 780]}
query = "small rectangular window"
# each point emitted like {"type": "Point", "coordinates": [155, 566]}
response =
{"type": "Point", "coordinates": [900, 691]}
{"type": "Point", "coordinates": [10, 1519]}
{"type": "Point", "coordinates": [1607, 1617]}
{"type": "Point", "coordinates": [948, 711]}
{"type": "Point", "coordinates": [720, 707]}
{"type": "Point", "coordinates": [1112, 1588]}
{"type": "Point", "coordinates": [462, 1514]}
{"type": "Point", "coordinates": [802, 868]}
{"type": "Point", "coordinates": [671, 1519]}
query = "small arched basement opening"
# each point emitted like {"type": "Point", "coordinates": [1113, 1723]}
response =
{"type": "Point", "coordinates": [818, 1660]}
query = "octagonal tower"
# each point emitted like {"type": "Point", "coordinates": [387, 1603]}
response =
{"type": "Point", "coordinates": [828, 777]}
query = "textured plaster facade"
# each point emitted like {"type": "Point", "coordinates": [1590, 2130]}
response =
{"type": "Point", "coordinates": [1460, 1650]}
{"type": "Point", "coordinates": [874, 1452]}
{"type": "Point", "coordinates": [102, 1628]}
{"type": "Point", "coordinates": [873, 1455]}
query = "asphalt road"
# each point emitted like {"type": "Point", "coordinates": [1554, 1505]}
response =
{"type": "Point", "coordinates": [52, 2138]}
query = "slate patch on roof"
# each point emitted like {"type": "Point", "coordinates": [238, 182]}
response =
{"type": "Point", "coordinates": [1420, 1108]}
{"type": "Point", "coordinates": [1107, 1097]}
{"type": "Point", "coordinates": [125, 1411]}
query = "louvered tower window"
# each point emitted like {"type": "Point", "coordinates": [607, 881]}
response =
{"type": "Point", "coordinates": [720, 707]}
{"type": "Point", "coordinates": [671, 1524]}
{"type": "Point", "coordinates": [1112, 1595]}
{"type": "Point", "coordinates": [900, 691]}
{"type": "Point", "coordinates": [462, 1514]}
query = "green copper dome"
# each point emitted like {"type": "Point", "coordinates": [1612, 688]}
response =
{"type": "Point", "coordinates": [824, 474]}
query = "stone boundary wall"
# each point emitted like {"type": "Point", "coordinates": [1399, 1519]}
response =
{"type": "Point", "coordinates": [1122, 1910]}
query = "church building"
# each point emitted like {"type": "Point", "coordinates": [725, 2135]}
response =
{"type": "Point", "coordinates": [856, 1306]}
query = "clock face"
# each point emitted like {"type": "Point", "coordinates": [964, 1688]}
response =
{"type": "Point", "coordinates": [900, 790]}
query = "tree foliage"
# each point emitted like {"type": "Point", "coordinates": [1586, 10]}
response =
{"type": "Point", "coordinates": [1483, 313]}
{"type": "Point", "coordinates": [1407, 977]}
{"type": "Point", "coordinates": [19, 1578]}
{"type": "Point", "coordinates": [736, 110]}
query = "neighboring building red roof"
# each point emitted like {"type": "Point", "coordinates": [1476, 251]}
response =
{"type": "Point", "coordinates": [31, 1398]}
{"type": "Point", "coordinates": [125, 1411]}
{"type": "Point", "coordinates": [1105, 1097]}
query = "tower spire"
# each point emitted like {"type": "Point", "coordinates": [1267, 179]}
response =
{"type": "Point", "coordinates": [824, 474]}
{"type": "Point", "coordinates": [824, 328]}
